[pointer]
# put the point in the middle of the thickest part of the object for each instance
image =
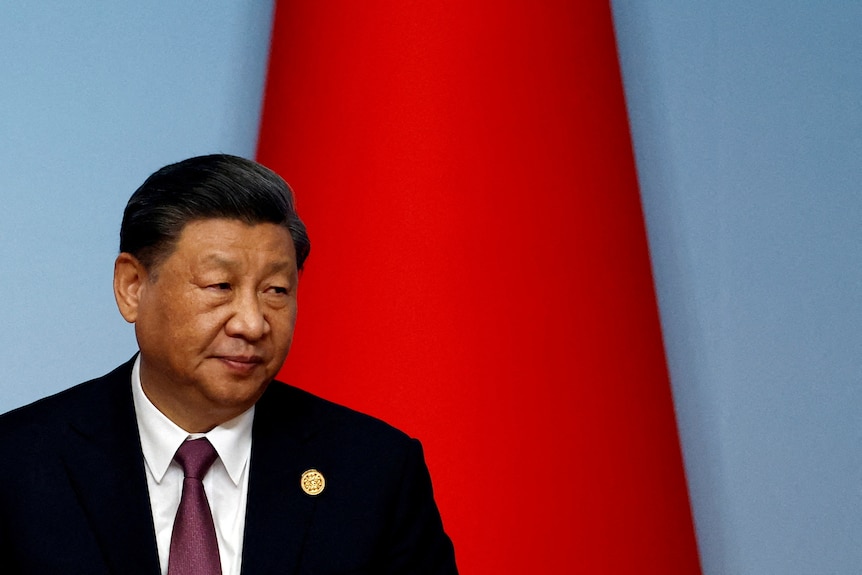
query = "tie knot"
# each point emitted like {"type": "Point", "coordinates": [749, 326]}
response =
{"type": "Point", "coordinates": [196, 456]}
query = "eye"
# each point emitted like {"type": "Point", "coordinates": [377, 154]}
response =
{"type": "Point", "coordinates": [278, 289]}
{"type": "Point", "coordinates": [220, 286]}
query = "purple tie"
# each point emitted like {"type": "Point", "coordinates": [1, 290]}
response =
{"type": "Point", "coordinates": [194, 547]}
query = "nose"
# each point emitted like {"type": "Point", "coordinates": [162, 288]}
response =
{"type": "Point", "coordinates": [247, 319]}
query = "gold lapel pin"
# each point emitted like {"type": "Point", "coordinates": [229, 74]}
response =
{"type": "Point", "coordinates": [313, 482]}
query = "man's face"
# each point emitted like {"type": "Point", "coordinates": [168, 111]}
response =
{"type": "Point", "coordinates": [214, 320]}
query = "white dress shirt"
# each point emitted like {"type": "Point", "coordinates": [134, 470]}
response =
{"type": "Point", "coordinates": [226, 482]}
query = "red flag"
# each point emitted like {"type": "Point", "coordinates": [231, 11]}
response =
{"type": "Point", "coordinates": [479, 275]}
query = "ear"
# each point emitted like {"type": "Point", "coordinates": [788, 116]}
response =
{"type": "Point", "coordinates": [129, 278]}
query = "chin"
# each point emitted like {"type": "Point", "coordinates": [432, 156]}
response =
{"type": "Point", "coordinates": [234, 395]}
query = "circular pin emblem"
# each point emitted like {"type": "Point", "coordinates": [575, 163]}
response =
{"type": "Point", "coordinates": [313, 482]}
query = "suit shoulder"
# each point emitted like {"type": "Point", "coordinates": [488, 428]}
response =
{"type": "Point", "coordinates": [49, 414]}
{"type": "Point", "coordinates": [322, 416]}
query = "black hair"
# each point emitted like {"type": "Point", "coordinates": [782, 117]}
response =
{"type": "Point", "coordinates": [205, 187]}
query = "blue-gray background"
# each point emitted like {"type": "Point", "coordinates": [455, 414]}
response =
{"type": "Point", "coordinates": [95, 96]}
{"type": "Point", "coordinates": [747, 125]}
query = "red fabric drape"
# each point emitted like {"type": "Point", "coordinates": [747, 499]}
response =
{"type": "Point", "coordinates": [479, 274]}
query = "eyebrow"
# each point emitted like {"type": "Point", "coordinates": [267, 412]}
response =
{"type": "Point", "coordinates": [227, 263]}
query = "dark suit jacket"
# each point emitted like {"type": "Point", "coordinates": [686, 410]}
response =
{"type": "Point", "coordinates": [73, 491]}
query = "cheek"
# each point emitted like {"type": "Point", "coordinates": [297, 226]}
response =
{"type": "Point", "coordinates": [190, 328]}
{"type": "Point", "coordinates": [282, 325]}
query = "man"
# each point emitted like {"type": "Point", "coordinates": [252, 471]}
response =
{"type": "Point", "coordinates": [97, 479]}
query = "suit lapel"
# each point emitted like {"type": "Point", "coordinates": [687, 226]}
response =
{"type": "Point", "coordinates": [102, 454]}
{"type": "Point", "coordinates": [279, 513]}
{"type": "Point", "coordinates": [105, 465]}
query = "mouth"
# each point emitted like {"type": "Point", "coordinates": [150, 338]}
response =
{"type": "Point", "coordinates": [241, 363]}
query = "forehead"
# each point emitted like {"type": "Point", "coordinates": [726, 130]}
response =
{"type": "Point", "coordinates": [226, 240]}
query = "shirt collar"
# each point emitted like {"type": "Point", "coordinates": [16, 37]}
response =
{"type": "Point", "coordinates": [161, 437]}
